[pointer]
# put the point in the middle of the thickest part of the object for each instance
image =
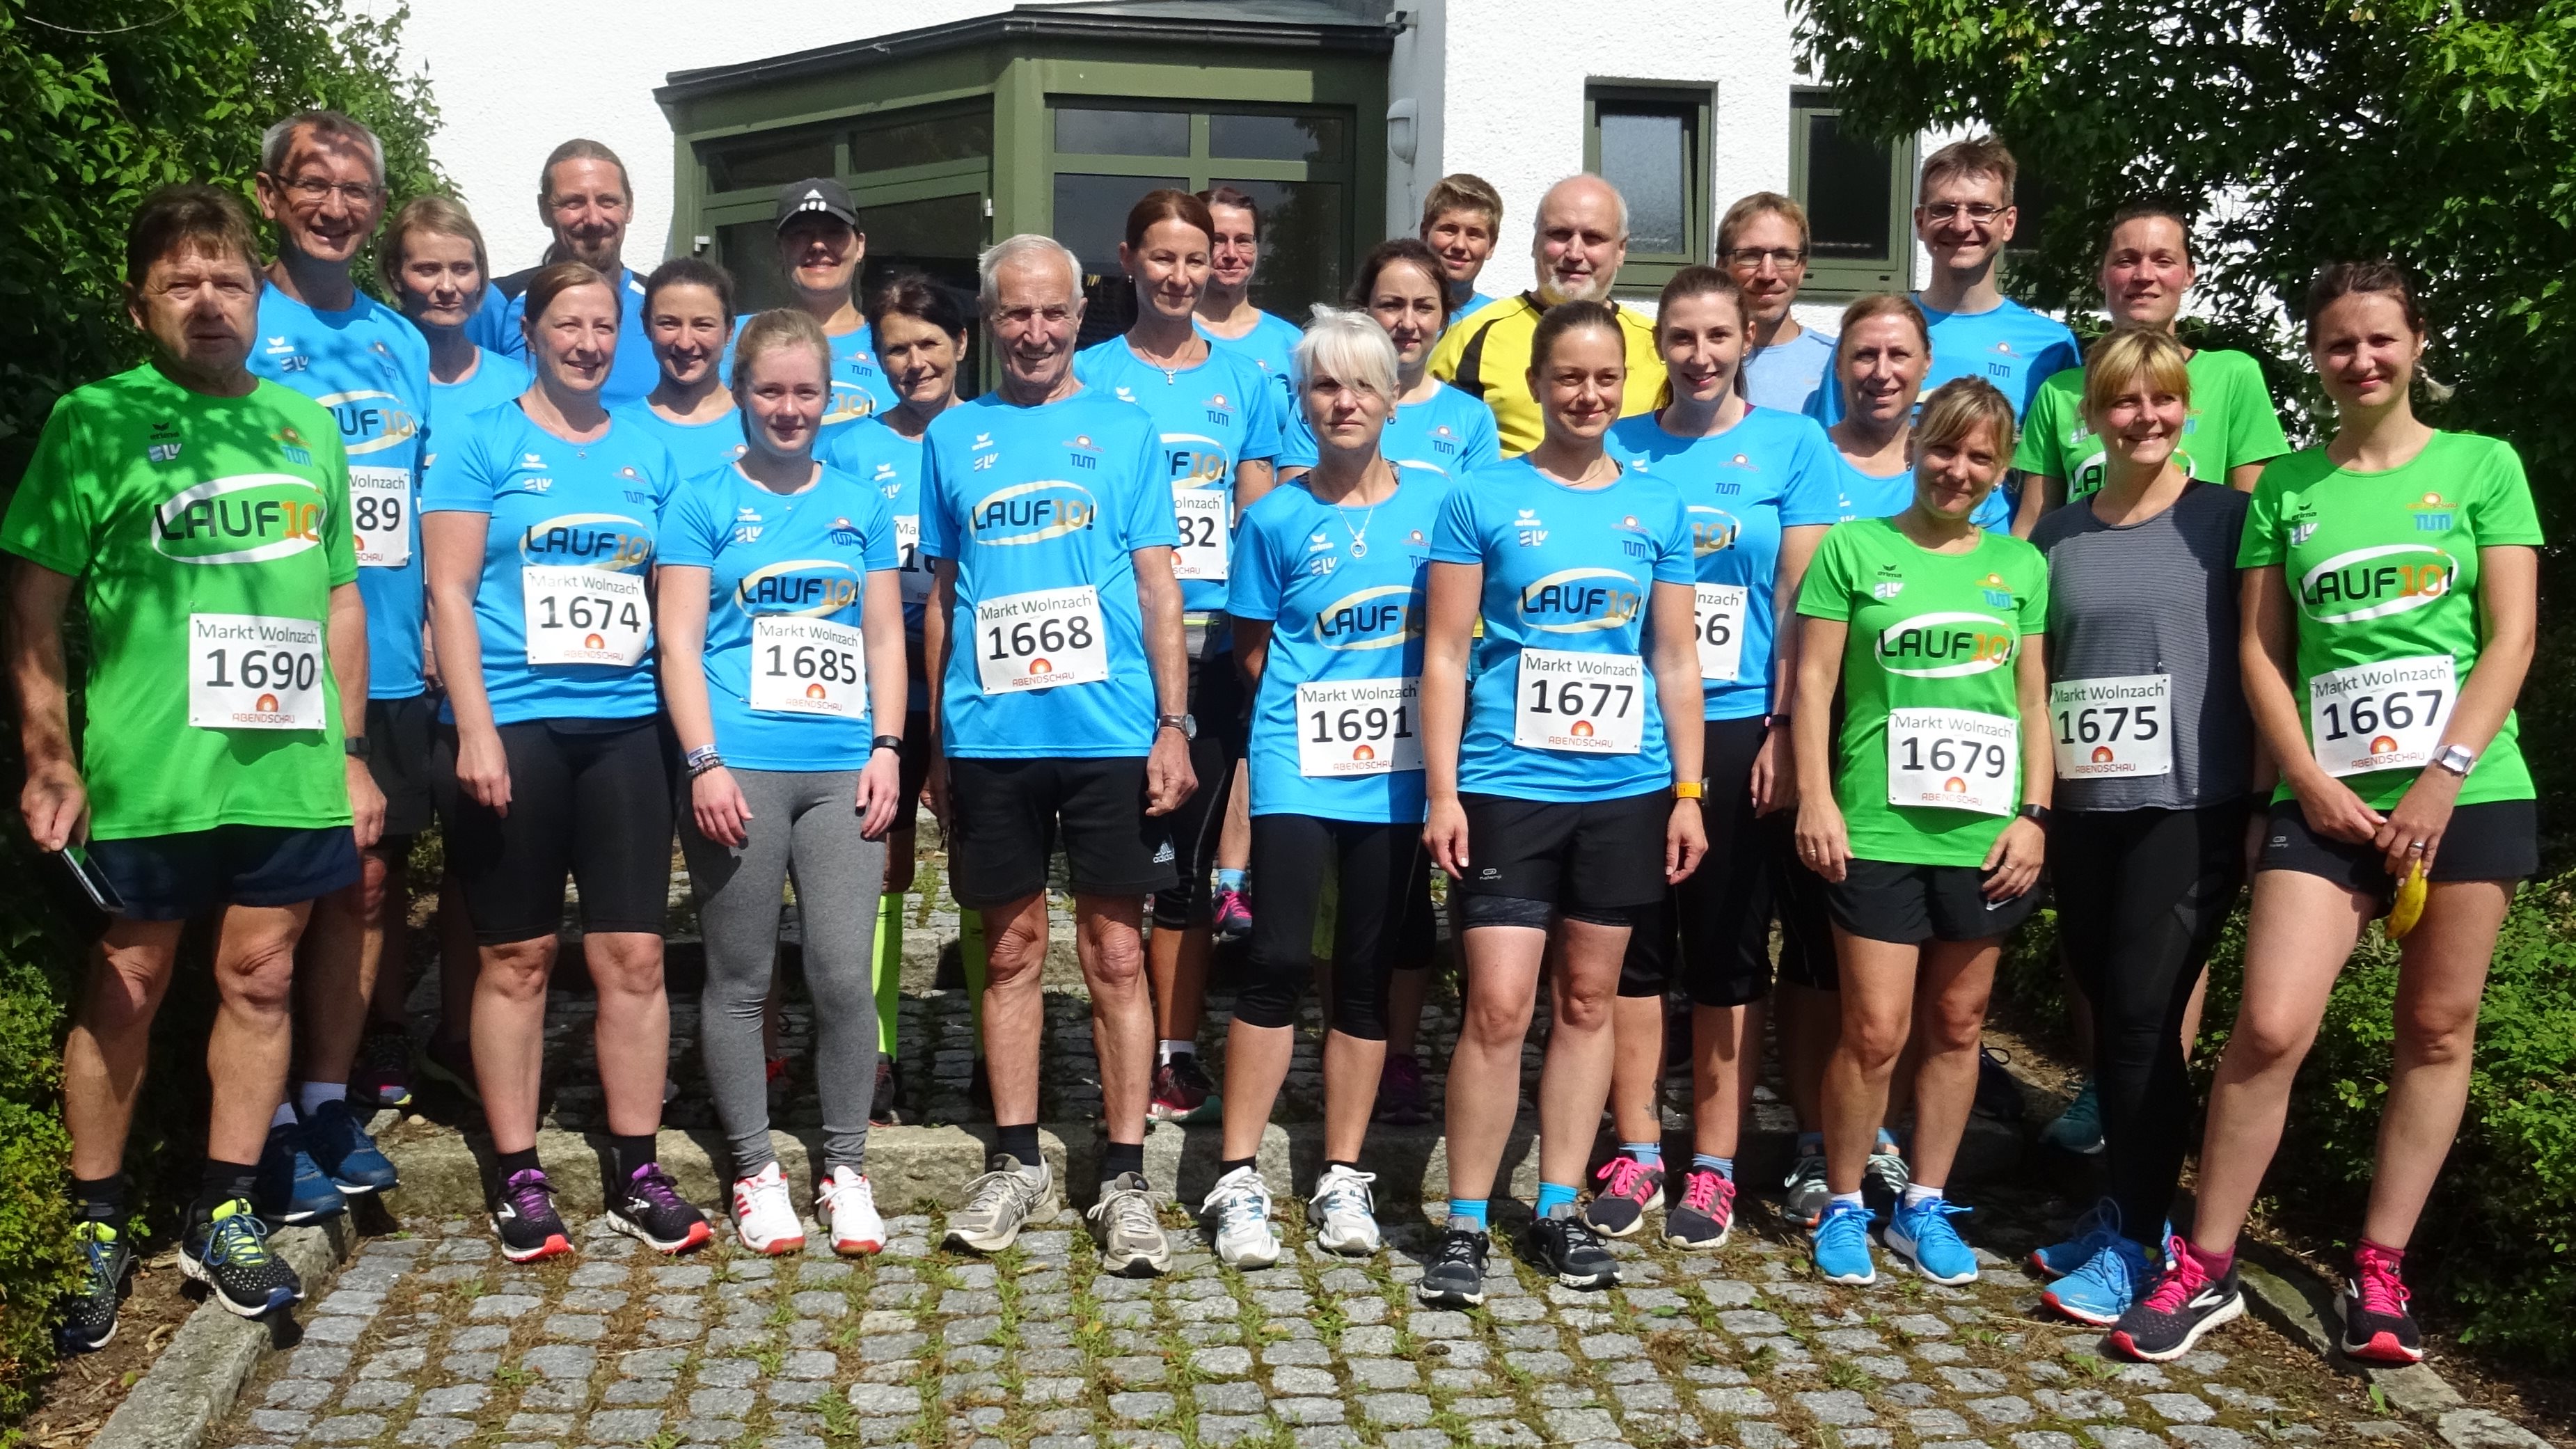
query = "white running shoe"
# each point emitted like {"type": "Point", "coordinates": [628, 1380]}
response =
{"type": "Point", "coordinates": [1125, 1220]}
{"type": "Point", "coordinates": [1240, 1203]}
{"type": "Point", "coordinates": [763, 1216]}
{"type": "Point", "coordinates": [847, 1208]}
{"type": "Point", "coordinates": [1344, 1212]}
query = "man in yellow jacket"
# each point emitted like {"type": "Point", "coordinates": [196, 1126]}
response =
{"type": "Point", "coordinates": [1581, 240]}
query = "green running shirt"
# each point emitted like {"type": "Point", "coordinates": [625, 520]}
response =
{"type": "Point", "coordinates": [2232, 421]}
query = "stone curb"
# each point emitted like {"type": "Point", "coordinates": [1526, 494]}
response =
{"type": "Point", "coordinates": [193, 1381]}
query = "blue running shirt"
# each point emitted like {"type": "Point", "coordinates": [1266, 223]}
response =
{"type": "Point", "coordinates": [2009, 345]}
{"type": "Point", "coordinates": [1210, 418]}
{"type": "Point", "coordinates": [1867, 495]}
{"type": "Point", "coordinates": [1567, 572]}
{"type": "Point", "coordinates": [891, 463]}
{"type": "Point", "coordinates": [1042, 508]}
{"type": "Point", "coordinates": [633, 373]}
{"type": "Point", "coordinates": [786, 664]}
{"type": "Point", "coordinates": [1452, 430]}
{"type": "Point", "coordinates": [494, 381]}
{"type": "Point", "coordinates": [369, 369]}
{"type": "Point", "coordinates": [860, 388]}
{"type": "Point", "coordinates": [1271, 345]}
{"type": "Point", "coordinates": [1740, 488]}
{"type": "Point", "coordinates": [1337, 718]}
{"type": "Point", "coordinates": [696, 448]}
{"type": "Point", "coordinates": [1788, 375]}
{"type": "Point", "coordinates": [564, 609]}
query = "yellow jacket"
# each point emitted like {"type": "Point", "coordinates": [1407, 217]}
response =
{"type": "Point", "coordinates": [1488, 354]}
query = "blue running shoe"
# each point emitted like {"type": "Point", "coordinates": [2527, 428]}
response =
{"type": "Point", "coordinates": [2078, 1129]}
{"type": "Point", "coordinates": [2101, 1290]}
{"type": "Point", "coordinates": [2099, 1225]}
{"type": "Point", "coordinates": [1841, 1239]}
{"type": "Point", "coordinates": [345, 1153]}
{"type": "Point", "coordinates": [1921, 1234]}
{"type": "Point", "coordinates": [292, 1186]}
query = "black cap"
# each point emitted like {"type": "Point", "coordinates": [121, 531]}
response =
{"type": "Point", "coordinates": [813, 194]}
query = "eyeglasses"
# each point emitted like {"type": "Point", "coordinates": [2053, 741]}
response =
{"type": "Point", "coordinates": [1781, 258]}
{"type": "Point", "coordinates": [1975, 211]}
{"type": "Point", "coordinates": [313, 191]}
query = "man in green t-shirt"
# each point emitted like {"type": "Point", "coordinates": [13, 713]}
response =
{"type": "Point", "coordinates": [204, 516]}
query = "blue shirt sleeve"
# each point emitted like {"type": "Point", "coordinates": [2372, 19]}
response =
{"type": "Point", "coordinates": [1995, 514]}
{"type": "Point", "coordinates": [1814, 494]}
{"type": "Point", "coordinates": [877, 548]}
{"type": "Point", "coordinates": [1483, 447]}
{"type": "Point", "coordinates": [689, 535]}
{"type": "Point", "coordinates": [1263, 436]}
{"type": "Point", "coordinates": [1253, 592]}
{"type": "Point", "coordinates": [457, 480]}
{"type": "Point", "coordinates": [1151, 521]}
{"type": "Point", "coordinates": [940, 536]}
{"type": "Point", "coordinates": [1673, 561]}
{"type": "Point", "coordinates": [1297, 444]}
{"type": "Point", "coordinates": [1457, 538]}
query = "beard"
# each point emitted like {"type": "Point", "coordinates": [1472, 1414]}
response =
{"type": "Point", "coordinates": [1588, 287]}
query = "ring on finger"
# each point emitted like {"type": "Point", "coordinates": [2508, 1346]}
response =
{"type": "Point", "coordinates": [2416, 847]}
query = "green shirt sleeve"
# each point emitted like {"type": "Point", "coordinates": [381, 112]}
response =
{"type": "Point", "coordinates": [1826, 591]}
{"type": "Point", "coordinates": [339, 539]}
{"type": "Point", "coordinates": [2253, 423]}
{"type": "Point", "coordinates": [2260, 545]}
{"type": "Point", "coordinates": [2042, 452]}
{"type": "Point", "coordinates": [53, 519]}
{"type": "Point", "coordinates": [2034, 593]}
{"type": "Point", "coordinates": [2500, 508]}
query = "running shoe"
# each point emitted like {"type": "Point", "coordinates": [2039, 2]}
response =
{"type": "Point", "coordinates": [1885, 1177]}
{"type": "Point", "coordinates": [1233, 915]}
{"type": "Point", "coordinates": [2377, 1328]}
{"type": "Point", "coordinates": [846, 1206]}
{"type": "Point", "coordinates": [1343, 1212]}
{"type": "Point", "coordinates": [2184, 1304]}
{"type": "Point", "coordinates": [382, 1077]}
{"type": "Point", "coordinates": [1840, 1241]}
{"type": "Point", "coordinates": [2078, 1129]}
{"type": "Point", "coordinates": [1804, 1203]}
{"type": "Point", "coordinates": [1568, 1250]}
{"type": "Point", "coordinates": [1998, 1095]}
{"type": "Point", "coordinates": [1706, 1213]}
{"type": "Point", "coordinates": [886, 1106]}
{"type": "Point", "coordinates": [1402, 1098]}
{"type": "Point", "coordinates": [228, 1252]}
{"type": "Point", "coordinates": [1130, 1228]}
{"type": "Point", "coordinates": [1000, 1203]}
{"type": "Point", "coordinates": [648, 1208]}
{"type": "Point", "coordinates": [763, 1217]}
{"type": "Point", "coordinates": [2105, 1285]}
{"type": "Point", "coordinates": [2096, 1230]}
{"type": "Point", "coordinates": [89, 1311]}
{"type": "Point", "coordinates": [291, 1185]}
{"type": "Point", "coordinates": [1920, 1233]}
{"type": "Point", "coordinates": [525, 1220]}
{"type": "Point", "coordinates": [1182, 1091]}
{"type": "Point", "coordinates": [345, 1153]}
{"type": "Point", "coordinates": [1455, 1275]}
{"type": "Point", "coordinates": [1239, 1206]}
{"type": "Point", "coordinates": [1629, 1190]}
{"type": "Point", "coordinates": [450, 1064]}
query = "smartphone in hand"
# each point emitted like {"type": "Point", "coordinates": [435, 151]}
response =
{"type": "Point", "coordinates": [92, 881]}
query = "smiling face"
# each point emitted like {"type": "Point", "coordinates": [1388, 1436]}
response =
{"type": "Point", "coordinates": [821, 254]}
{"type": "Point", "coordinates": [1235, 251]}
{"type": "Point", "coordinates": [2143, 422]}
{"type": "Point", "coordinates": [200, 306]}
{"type": "Point", "coordinates": [2364, 350]}
{"type": "Point", "coordinates": [574, 342]}
{"type": "Point", "coordinates": [1952, 477]}
{"type": "Point", "coordinates": [1036, 313]}
{"type": "Point", "coordinates": [1462, 240]}
{"type": "Point", "coordinates": [688, 327]}
{"type": "Point", "coordinates": [1776, 269]}
{"type": "Point", "coordinates": [324, 196]}
{"type": "Point", "coordinates": [437, 285]}
{"type": "Point", "coordinates": [587, 207]}
{"type": "Point", "coordinates": [1407, 304]}
{"type": "Point", "coordinates": [1702, 338]}
{"type": "Point", "coordinates": [1964, 220]}
{"type": "Point", "coordinates": [919, 359]}
{"type": "Point", "coordinates": [1581, 241]}
{"type": "Point", "coordinates": [1580, 382]}
{"type": "Point", "coordinates": [1170, 268]}
{"type": "Point", "coordinates": [2146, 269]}
{"type": "Point", "coordinates": [783, 392]}
{"type": "Point", "coordinates": [1882, 362]}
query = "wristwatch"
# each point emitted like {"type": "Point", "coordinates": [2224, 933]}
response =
{"type": "Point", "coordinates": [1776, 720]}
{"type": "Point", "coordinates": [1690, 789]}
{"type": "Point", "coordinates": [1187, 724]}
{"type": "Point", "coordinates": [2037, 814]}
{"type": "Point", "coordinates": [886, 742]}
{"type": "Point", "coordinates": [359, 747]}
{"type": "Point", "coordinates": [2458, 759]}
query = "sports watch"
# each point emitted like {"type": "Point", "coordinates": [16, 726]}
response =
{"type": "Point", "coordinates": [359, 747]}
{"type": "Point", "coordinates": [2458, 759]}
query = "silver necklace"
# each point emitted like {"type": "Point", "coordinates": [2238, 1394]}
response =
{"type": "Point", "coordinates": [1359, 537]}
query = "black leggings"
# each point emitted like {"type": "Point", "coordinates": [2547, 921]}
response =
{"type": "Point", "coordinates": [2141, 897]}
{"type": "Point", "coordinates": [1216, 702]}
{"type": "Point", "coordinates": [592, 797]}
{"type": "Point", "coordinates": [1381, 922]}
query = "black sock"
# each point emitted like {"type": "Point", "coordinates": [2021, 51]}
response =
{"type": "Point", "coordinates": [1019, 1142]}
{"type": "Point", "coordinates": [511, 1164]}
{"type": "Point", "coordinates": [1121, 1157]}
{"type": "Point", "coordinates": [634, 1152]}
{"type": "Point", "coordinates": [223, 1182]}
{"type": "Point", "coordinates": [100, 1199]}
{"type": "Point", "coordinates": [1224, 1165]}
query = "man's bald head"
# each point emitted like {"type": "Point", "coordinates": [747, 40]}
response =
{"type": "Point", "coordinates": [1581, 240]}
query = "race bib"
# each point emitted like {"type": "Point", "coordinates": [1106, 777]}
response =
{"type": "Point", "coordinates": [1041, 640]}
{"type": "Point", "coordinates": [254, 672]}
{"type": "Point", "coordinates": [1205, 539]}
{"type": "Point", "coordinates": [2105, 729]}
{"type": "Point", "coordinates": [808, 666]}
{"type": "Point", "coordinates": [1952, 759]}
{"type": "Point", "coordinates": [581, 615]}
{"type": "Point", "coordinates": [1586, 704]}
{"type": "Point", "coordinates": [2386, 716]}
{"type": "Point", "coordinates": [913, 571]}
{"type": "Point", "coordinates": [1360, 727]}
{"type": "Point", "coordinates": [380, 515]}
{"type": "Point", "coordinates": [1720, 611]}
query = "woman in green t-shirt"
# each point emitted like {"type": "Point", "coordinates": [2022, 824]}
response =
{"type": "Point", "coordinates": [2390, 592]}
{"type": "Point", "coordinates": [1925, 816]}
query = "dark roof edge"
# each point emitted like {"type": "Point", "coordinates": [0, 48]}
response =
{"type": "Point", "coordinates": [1359, 36]}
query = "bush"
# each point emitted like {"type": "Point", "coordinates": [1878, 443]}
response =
{"type": "Point", "coordinates": [37, 945]}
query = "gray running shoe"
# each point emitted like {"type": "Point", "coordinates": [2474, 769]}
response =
{"type": "Point", "coordinates": [1885, 1176]}
{"type": "Point", "coordinates": [1000, 1203]}
{"type": "Point", "coordinates": [1804, 1205]}
{"type": "Point", "coordinates": [1130, 1228]}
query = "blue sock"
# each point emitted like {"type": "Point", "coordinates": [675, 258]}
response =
{"type": "Point", "coordinates": [1552, 1195]}
{"type": "Point", "coordinates": [1810, 1144]}
{"type": "Point", "coordinates": [1229, 880]}
{"type": "Point", "coordinates": [1649, 1153]}
{"type": "Point", "coordinates": [1887, 1141]}
{"type": "Point", "coordinates": [1722, 1166]}
{"type": "Point", "coordinates": [1467, 1213]}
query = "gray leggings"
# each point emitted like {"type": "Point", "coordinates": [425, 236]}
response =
{"type": "Point", "coordinates": [805, 825]}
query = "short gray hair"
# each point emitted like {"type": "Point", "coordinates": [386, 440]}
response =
{"type": "Point", "coordinates": [1026, 246]}
{"type": "Point", "coordinates": [1351, 347]}
{"type": "Point", "coordinates": [1539, 217]}
{"type": "Point", "coordinates": [279, 139]}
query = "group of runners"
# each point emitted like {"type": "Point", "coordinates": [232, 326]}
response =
{"type": "Point", "coordinates": [1652, 631]}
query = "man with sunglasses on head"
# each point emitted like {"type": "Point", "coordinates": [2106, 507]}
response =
{"type": "Point", "coordinates": [1762, 243]}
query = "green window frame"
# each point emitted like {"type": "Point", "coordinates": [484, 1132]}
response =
{"type": "Point", "coordinates": [1645, 271]}
{"type": "Point", "coordinates": [1872, 259]}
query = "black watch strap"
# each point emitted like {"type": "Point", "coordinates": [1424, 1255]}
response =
{"type": "Point", "coordinates": [357, 747]}
{"type": "Point", "coordinates": [886, 742]}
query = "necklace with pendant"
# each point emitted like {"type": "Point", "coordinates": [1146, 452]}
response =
{"type": "Point", "coordinates": [1359, 537]}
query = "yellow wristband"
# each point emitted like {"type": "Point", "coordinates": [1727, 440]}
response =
{"type": "Point", "coordinates": [1689, 789]}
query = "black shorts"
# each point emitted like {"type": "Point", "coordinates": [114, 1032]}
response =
{"type": "Point", "coordinates": [1721, 914]}
{"type": "Point", "coordinates": [1593, 860]}
{"type": "Point", "coordinates": [912, 765]}
{"type": "Point", "coordinates": [592, 797]}
{"type": "Point", "coordinates": [2496, 840]}
{"type": "Point", "coordinates": [1217, 701]}
{"type": "Point", "coordinates": [1005, 817]}
{"type": "Point", "coordinates": [402, 749]}
{"type": "Point", "coordinates": [1885, 900]}
{"type": "Point", "coordinates": [1806, 913]}
{"type": "Point", "coordinates": [175, 877]}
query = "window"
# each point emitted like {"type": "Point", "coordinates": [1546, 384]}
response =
{"type": "Point", "coordinates": [1859, 196]}
{"type": "Point", "coordinates": [1653, 146]}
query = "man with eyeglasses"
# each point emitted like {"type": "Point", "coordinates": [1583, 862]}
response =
{"type": "Point", "coordinates": [586, 200]}
{"type": "Point", "coordinates": [321, 182]}
{"type": "Point", "coordinates": [1762, 243]}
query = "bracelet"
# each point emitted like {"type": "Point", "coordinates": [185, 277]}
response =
{"type": "Point", "coordinates": [886, 742]}
{"type": "Point", "coordinates": [702, 759]}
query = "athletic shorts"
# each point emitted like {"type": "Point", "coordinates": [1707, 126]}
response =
{"type": "Point", "coordinates": [1806, 913]}
{"type": "Point", "coordinates": [1005, 817]}
{"type": "Point", "coordinates": [1217, 702]}
{"type": "Point", "coordinates": [1885, 900]}
{"type": "Point", "coordinates": [2496, 840]}
{"type": "Point", "coordinates": [1593, 860]}
{"type": "Point", "coordinates": [1714, 929]}
{"type": "Point", "coordinates": [588, 797]}
{"type": "Point", "coordinates": [913, 766]}
{"type": "Point", "coordinates": [402, 750]}
{"type": "Point", "coordinates": [177, 877]}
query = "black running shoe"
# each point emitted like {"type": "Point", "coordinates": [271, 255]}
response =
{"type": "Point", "coordinates": [648, 1208]}
{"type": "Point", "coordinates": [228, 1252]}
{"type": "Point", "coordinates": [2184, 1304]}
{"type": "Point", "coordinates": [525, 1219]}
{"type": "Point", "coordinates": [1455, 1276]}
{"type": "Point", "coordinates": [1998, 1095]}
{"type": "Point", "coordinates": [1568, 1249]}
{"type": "Point", "coordinates": [2378, 1327]}
{"type": "Point", "coordinates": [89, 1311]}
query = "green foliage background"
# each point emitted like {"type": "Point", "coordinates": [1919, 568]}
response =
{"type": "Point", "coordinates": [89, 123]}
